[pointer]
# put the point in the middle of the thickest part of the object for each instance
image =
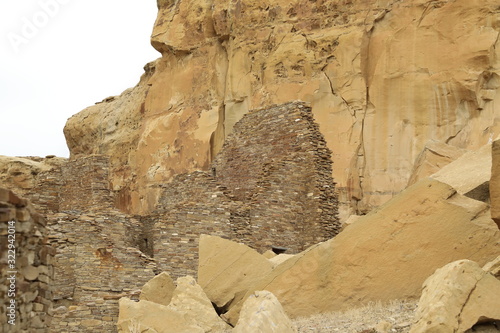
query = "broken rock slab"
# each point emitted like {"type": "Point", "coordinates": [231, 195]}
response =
{"type": "Point", "coordinates": [433, 158]}
{"type": "Point", "coordinates": [189, 298]}
{"type": "Point", "coordinates": [456, 297]}
{"type": "Point", "coordinates": [470, 174]}
{"type": "Point", "coordinates": [226, 269]}
{"type": "Point", "coordinates": [159, 289]}
{"type": "Point", "coordinates": [263, 313]}
{"type": "Point", "coordinates": [189, 310]}
{"type": "Point", "coordinates": [386, 254]}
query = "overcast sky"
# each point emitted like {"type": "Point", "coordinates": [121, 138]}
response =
{"type": "Point", "coordinates": [58, 57]}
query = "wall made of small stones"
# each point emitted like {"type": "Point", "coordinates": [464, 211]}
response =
{"type": "Point", "coordinates": [26, 267]}
{"type": "Point", "coordinates": [276, 161]}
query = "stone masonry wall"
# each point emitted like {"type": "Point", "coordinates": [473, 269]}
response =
{"type": "Point", "coordinates": [97, 263]}
{"type": "Point", "coordinates": [277, 162]}
{"type": "Point", "coordinates": [25, 266]}
{"type": "Point", "coordinates": [270, 186]}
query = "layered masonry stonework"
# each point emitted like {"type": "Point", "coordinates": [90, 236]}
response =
{"type": "Point", "coordinates": [269, 186]}
{"type": "Point", "coordinates": [26, 266]}
{"type": "Point", "coordinates": [276, 160]}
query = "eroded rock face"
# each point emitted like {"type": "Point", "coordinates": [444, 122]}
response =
{"type": "Point", "coordinates": [386, 254]}
{"type": "Point", "coordinates": [456, 297]}
{"type": "Point", "coordinates": [262, 312]}
{"type": "Point", "coordinates": [383, 77]}
{"type": "Point", "coordinates": [189, 310]}
{"type": "Point", "coordinates": [227, 269]}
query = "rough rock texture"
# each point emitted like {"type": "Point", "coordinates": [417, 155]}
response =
{"type": "Point", "coordinates": [434, 157]}
{"type": "Point", "coordinates": [26, 267]}
{"type": "Point", "coordinates": [373, 70]}
{"type": "Point", "coordinates": [493, 267]}
{"type": "Point", "coordinates": [386, 254]}
{"type": "Point", "coordinates": [226, 269]}
{"type": "Point", "coordinates": [189, 298]}
{"type": "Point", "coordinates": [469, 174]}
{"type": "Point", "coordinates": [495, 182]}
{"type": "Point", "coordinates": [159, 289]}
{"type": "Point", "coordinates": [190, 310]}
{"type": "Point", "coordinates": [262, 312]}
{"type": "Point", "coordinates": [145, 316]}
{"type": "Point", "coordinates": [20, 173]}
{"type": "Point", "coordinates": [456, 297]}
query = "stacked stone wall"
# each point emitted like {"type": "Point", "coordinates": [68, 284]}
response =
{"type": "Point", "coordinates": [97, 263]}
{"type": "Point", "coordinates": [277, 162]}
{"type": "Point", "coordinates": [26, 267]}
{"type": "Point", "coordinates": [269, 186]}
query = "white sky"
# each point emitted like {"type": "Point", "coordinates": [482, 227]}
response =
{"type": "Point", "coordinates": [81, 52]}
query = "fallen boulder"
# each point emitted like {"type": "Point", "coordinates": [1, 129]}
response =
{"type": "Point", "coordinates": [263, 313]}
{"type": "Point", "coordinates": [159, 289]}
{"type": "Point", "coordinates": [456, 297]}
{"type": "Point", "coordinates": [227, 270]}
{"type": "Point", "coordinates": [386, 254]}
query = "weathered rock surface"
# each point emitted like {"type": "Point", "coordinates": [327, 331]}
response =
{"type": "Point", "coordinates": [262, 312]}
{"type": "Point", "coordinates": [190, 310]}
{"type": "Point", "coordinates": [159, 289]}
{"type": "Point", "coordinates": [145, 316]}
{"type": "Point", "coordinates": [226, 270]}
{"type": "Point", "coordinates": [493, 267]}
{"type": "Point", "coordinates": [433, 158]}
{"type": "Point", "coordinates": [20, 173]}
{"type": "Point", "coordinates": [470, 174]}
{"type": "Point", "coordinates": [386, 254]}
{"type": "Point", "coordinates": [374, 72]}
{"type": "Point", "coordinates": [456, 297]}
{"type": "Point", "coordinates": [279, 259]}
{"type": "Point", "coordinates": [190, 298]}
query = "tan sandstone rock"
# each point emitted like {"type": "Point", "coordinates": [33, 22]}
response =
{"type": "Point", "coordinates": [373, 70]}
{"type": "Point", "coordinates": [433, 158]}
{"type": "Point", "coordinates": [263, 313]}
{"type": "Point", "coordinates": [456, 297]}
{"type": "Point", "coordinates": [493, 267]}
{"type": "Point", "coordinates": [469, 174]}
{"type": "Point", "coordinates": [20, 173]}
{"type": "Point", "coordinates": [189, 310]}
{"type": "Point", "coordinates": [159, 289]}
{"type": "Point", "coordinates": [145, 316]}
{"type": "Point", "coordinates": [386, 254]}
{"type": "Point", "coordinates": [226, 270]}
{"type": "Point", "coordinates": [190, 299]}
{"type": "Point", "coordinates": [279, 259]}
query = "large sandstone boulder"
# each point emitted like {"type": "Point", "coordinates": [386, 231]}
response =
{"type": "Point", "coordinates": [386, 254]}
{"type": "Point", "coordinates": [469, 174]}
{"type": "Point", "coordinates": [159, 289]}
{"type": "Point", "coordinates": [189, 298]}
{"type": "Point", "coordinates": [373, 70]}
{"type": "Point", "coordinates": [263, 313]}
{"type": "Point", "coordinates": [226, 269]}
{"type": "Point", "coordinates": [433, 158]}
{"type": "Point", "coordinates": [189, 310]}
{"type": "Point", "coordinates": [456, 297]}
{"type": "Point", "coordinates": [145, 316]}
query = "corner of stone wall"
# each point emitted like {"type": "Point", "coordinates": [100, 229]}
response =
{"type": "Point", "coordinates": [26, 267]}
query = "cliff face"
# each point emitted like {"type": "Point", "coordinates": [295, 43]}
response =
{"type": "Point", "coordinates": [383, 77]}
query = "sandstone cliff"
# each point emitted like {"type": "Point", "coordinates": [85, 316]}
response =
{"type": "Point", "coordinates": [383, 77]}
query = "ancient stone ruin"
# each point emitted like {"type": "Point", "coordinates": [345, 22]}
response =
{"type": "Point", "coordinates": [270, 186]}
